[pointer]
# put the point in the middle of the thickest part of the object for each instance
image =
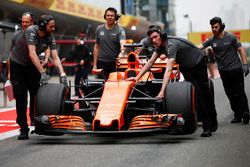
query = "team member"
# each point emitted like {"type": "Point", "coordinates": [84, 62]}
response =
{"type": "Point", "coordinates": [81, 55]}
{"type": "Point", "coordinates": [193, 68]}
{"type": "Point", "coordinates": [232, 67]}
{"type": "Point", "coordinates": [26, 21]}
{"type": "Point", "coordinates": [110, 38]}
{"type": "Point", "coordinates": [26, 71]}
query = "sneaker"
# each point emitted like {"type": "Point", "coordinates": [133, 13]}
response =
{"type": "Point", "coordinates": [236, 120]}
{"type": "Point", "coordinates": [206, 133]}
{"type": "Point", "coordinates": [24, 135]}
{"type": "Point", "coordinates": [245, 117]}
{"type": "Point", "coordinates": [214, 126]}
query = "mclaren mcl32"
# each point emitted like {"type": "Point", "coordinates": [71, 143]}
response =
{"type": "Point", "coordinates": [116, 105]}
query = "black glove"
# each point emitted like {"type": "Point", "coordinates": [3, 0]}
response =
{"type": "Point", "coordinates": [245, 69]}
{"type": "Point", "coordinates": [63, 80]}
{"type": "Point", "coordinates": [44, 78]}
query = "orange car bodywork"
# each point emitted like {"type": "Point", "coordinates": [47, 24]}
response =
{"type": "Point", "coordinates": [115, 96]}
{"type": "Point", "coordinates": [112, 104]}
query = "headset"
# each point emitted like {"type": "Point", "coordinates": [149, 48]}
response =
{"type": "Point", "coordinates": [215, 20]}
{"type": "Point", "coordinates": [43, 21]}
{"type": "Point", "coordinates": [117, 16]}
{"type": "Point", "coordinates": [156, 28]}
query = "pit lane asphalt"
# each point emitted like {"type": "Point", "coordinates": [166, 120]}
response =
{"type": "Point", "coordinates": [228, 147]}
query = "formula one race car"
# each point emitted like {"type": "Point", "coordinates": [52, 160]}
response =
{"type": "Point", "coordinates": [116, 105]}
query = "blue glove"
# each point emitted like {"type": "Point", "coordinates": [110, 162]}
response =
{"type": "Point", "coordinates": [245, 68]}
{"type": "Point", "coordinates": [63, 79]}
{"type": "Point", "coordinates": [44, 78]}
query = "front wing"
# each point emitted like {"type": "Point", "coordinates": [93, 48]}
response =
{"type": "Point", "coordinates": [62, 124]}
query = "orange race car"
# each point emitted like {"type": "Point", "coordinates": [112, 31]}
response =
{"type": "Point", "coordinates": [116, 105]}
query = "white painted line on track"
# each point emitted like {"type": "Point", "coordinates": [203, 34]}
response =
{"type": "Point", "coordinates": [9, 134]}
{"type": "Point", "coordinates": [7, 109]}
{"type": "Point", "coordinates": [12, 133]}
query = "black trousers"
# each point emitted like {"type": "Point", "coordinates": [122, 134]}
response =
{"type": "Point", "coordinates": [107, 67]}
{"type": "Point", "coordinates": [82, 72]}
{"type": "Point", "coordinates": [205, 102]}
{"type": "Point", "coordinates": [233, 82]}
{"type": "Point", "coordinates": [24, 79]}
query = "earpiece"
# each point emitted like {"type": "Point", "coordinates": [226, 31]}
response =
{"type": "Point", "coordinates": [222, 27]}
{"type": "Point", "coordinates": [43, 21]}
{"type": "Point", "coordinates": [164, 36]}
{"type": "Point", "coordinates": [117, 17]}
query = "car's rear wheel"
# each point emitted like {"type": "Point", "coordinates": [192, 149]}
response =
{"type": "Point", "coordinates": [180, 99]}
{"type": "Point", "coordinates": [50, 99]}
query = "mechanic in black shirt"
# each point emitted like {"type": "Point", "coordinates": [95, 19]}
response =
{"type": "Point", "coordinates": [26, 71]}
{"type": "Point", "coordinates": [192, 66]}
{"type": "Point", "coordinates": [82, 56]}
{"type": "Point", "coordinates": [232, 67]}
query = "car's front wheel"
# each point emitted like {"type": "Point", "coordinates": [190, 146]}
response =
{"type": "Point", "coordinates": [50, 99]}
{"type": "Point", "coordinates": [180, 99]}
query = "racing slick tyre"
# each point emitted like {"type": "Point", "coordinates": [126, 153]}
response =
{"type": "Point", "coordinates": [180, 99]}
{"type": "Point", "coordinates": [50, 99]}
